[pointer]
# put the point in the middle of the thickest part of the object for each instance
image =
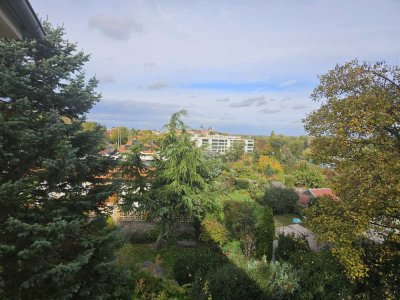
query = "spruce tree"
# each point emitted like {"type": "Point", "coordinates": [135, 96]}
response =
{"type": "Point", "coordinates": [51, 176]}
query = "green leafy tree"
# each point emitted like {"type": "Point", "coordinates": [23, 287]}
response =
{"type": "Point", "coordinates": [265, 234]}
{"type": "Point", "coordinates": [321, 276]}
{"type": "Point", "coordinates": [280, 200]}
{"type": "Point", "coordinates": [235, 152]}
{"type": "Point", "coordinates": [309, 176]}
{"type": "Point", "coordinates": [50, 176]}
{"type": "Point", "coordinates": [119, 135]}
{"type": "Point", "coordinates": [289, 245]}
{"type": "Point", "coordinates": [240, 220]}
{"type": "Point", "coordinates": [357, 130]}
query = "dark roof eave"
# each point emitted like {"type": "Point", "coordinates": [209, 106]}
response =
{"type": "Point", "coordinates": [28, 18]}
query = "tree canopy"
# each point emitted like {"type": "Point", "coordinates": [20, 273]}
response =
{"type": "Point", "coordinates": [51, 175]}
{"type": "Point", "coordinates": [180, 179]}
{"type": "Point", "coordinates": [357, 130]}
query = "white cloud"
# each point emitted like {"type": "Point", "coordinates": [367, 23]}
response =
{"type": "Point", "coordinates": [286, 43]}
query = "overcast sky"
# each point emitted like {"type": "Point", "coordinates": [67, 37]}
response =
{"type": "Point", "coordinates": [239, 66]}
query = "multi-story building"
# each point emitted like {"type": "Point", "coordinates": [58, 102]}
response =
{"type": "Point", "coordinates": [221, 143]}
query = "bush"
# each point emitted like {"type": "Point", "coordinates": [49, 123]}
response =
{"type": "Point", "coordinates": [279, 280]}
{"type": "Point", "coordinates": [309, 176]}
{"type": "Point", "coordinates": [242, 183]}
{"type": "Point", "coordinates": [240, 220]}
{"type": "Point", "coordinates": [143, 237]}
{"type": "Point", "coordinates": [281, 200]}
{"type": "Point", "coordinates": [151, 286]}
{"type": "Point", "coordinates": [230, 282]}
{"type": "Point", "coordinates": [197, 263]}
{"type": "Point", "coordinates": [240, 217]}
{"type": "Point", "coordinates": [289, 245]}
{"type": "Point", "coordinates": [265, 234]}
{"type": "Point", "coordinates": [321, 276]}
{"type": "Point", "coordinates": [213, 231]}
{"type": "Point", "coordinates": [289, 181]}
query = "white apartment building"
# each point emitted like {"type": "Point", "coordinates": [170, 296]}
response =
{"type": "Point", "coordinates": [221, 143]}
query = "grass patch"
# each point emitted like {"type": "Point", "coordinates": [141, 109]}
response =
{"type": "Point", "coordinates": [284, 220]}
{"type": "Point", "coordinates": [132, 255]}
{"type": "Point", "coordinates": [236, 196]}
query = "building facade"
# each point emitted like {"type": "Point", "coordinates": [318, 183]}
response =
{"type": "Point", "coordinates": [221, 143]}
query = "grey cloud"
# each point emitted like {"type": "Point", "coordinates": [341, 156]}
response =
{"type": "Point", "coordinates": [115, 27]}
{"type": "Point", "coordinates": [158, 85]}
{"type": "Point", "coordinates": [106, 79]}
{"type": "Point", "coordinates": [111, 111]}
{"type": "Point", "coordinates": [298, 107]}
{"type": "Point", "coordinates": [286, 99]}
{"type": "Point", "coordinates": [223, 100]}
{"type": "Point", "coordinates": [259, 101]}
{"type": "Point", "coordinates": [269, 111]}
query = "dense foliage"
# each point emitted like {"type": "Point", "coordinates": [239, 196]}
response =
{"type": "Point", "coordinates": [278, 280]}
{"type": "Point", "coordinates": [281, 200]}
{"type": "Point", "coordinates": [196, 264]}
{"type": "Point", "coordinates": [308, 176]}
{"type": "Point", "coordinates": [230, 282]}
{"type": "Point", "coordinates": [265, 234]}
{"type": "Point", "coordinates": [321, 276]}
{"type": "Point", "coordinates": [241, 220]}
{"type": "Point", "coordinates": [290, 245]}
{"type": "Point", "coordinates": [357, 130]}
{"type": "Point", "coordinates": [177, 184]}
{"type": "Point", "coordinates": [213, 231]}
{"type": "Point", "coordinates": [51, 176]}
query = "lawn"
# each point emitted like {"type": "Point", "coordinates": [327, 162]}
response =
{"type": "Point", "coordinates": [284, 220]}
{"type": "Point", "coordinates": [236, 196]}
{"type": "Point", "coordinates": [131, 255]}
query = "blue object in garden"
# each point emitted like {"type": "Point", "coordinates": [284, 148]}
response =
{"type": "Point", "coordinates": [296, 220]}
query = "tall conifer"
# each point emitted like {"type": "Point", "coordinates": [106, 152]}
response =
{"type": "Point", "coordinates": [51, 175]}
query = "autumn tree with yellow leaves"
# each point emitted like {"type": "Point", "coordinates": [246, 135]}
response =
{"type": "Point", "coordinates": [270, 167]}
{"type": "Point", "coordinates": [357, 130]}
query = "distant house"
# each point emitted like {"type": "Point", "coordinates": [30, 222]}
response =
{"type": "Point", "coordinates": [311, 194]}
{"type": "Point", "coordinates": [18, 20]}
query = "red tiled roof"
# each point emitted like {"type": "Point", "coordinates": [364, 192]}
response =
{"type": "Point", "coordinates": [322, 192]}
{"type": "Point", "coordinates": [303, 200]}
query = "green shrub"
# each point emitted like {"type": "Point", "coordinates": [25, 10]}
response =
{"type": "Point", "coordinates": [143, 237]}
{"type": "Point", "coordinates": [289, 245]}
{"type": "Point", "coordinates": [230, 282]}
{"type": "Point", "coordinates": [321, 276]}
{"type": "Point", "coordinates": [279, 280]}
{"type": "Point", "coordinates": [242, 183]}
{"type": "Point", "coordinates": [151, 286]}
{"type": "Point", "coordinates": [289, 181]}
{"type": "Point", "coordinates": [196, 263]}
{"type": "Point", "coordinates": [240, 217]}
{"type": "Point", "coordinates": [265, 234]}
{"type": "Point", "coordinates": [240, 220]}
{"type": "Point", "coordinates": [309, 176]}
{"type": "Point", "coordinates": [281, 200]}
{"type": "Point", "coordinates": [213, 231]}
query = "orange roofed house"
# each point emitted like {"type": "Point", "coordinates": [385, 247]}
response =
{"type": "Point", "coordinates": [311, 194]}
